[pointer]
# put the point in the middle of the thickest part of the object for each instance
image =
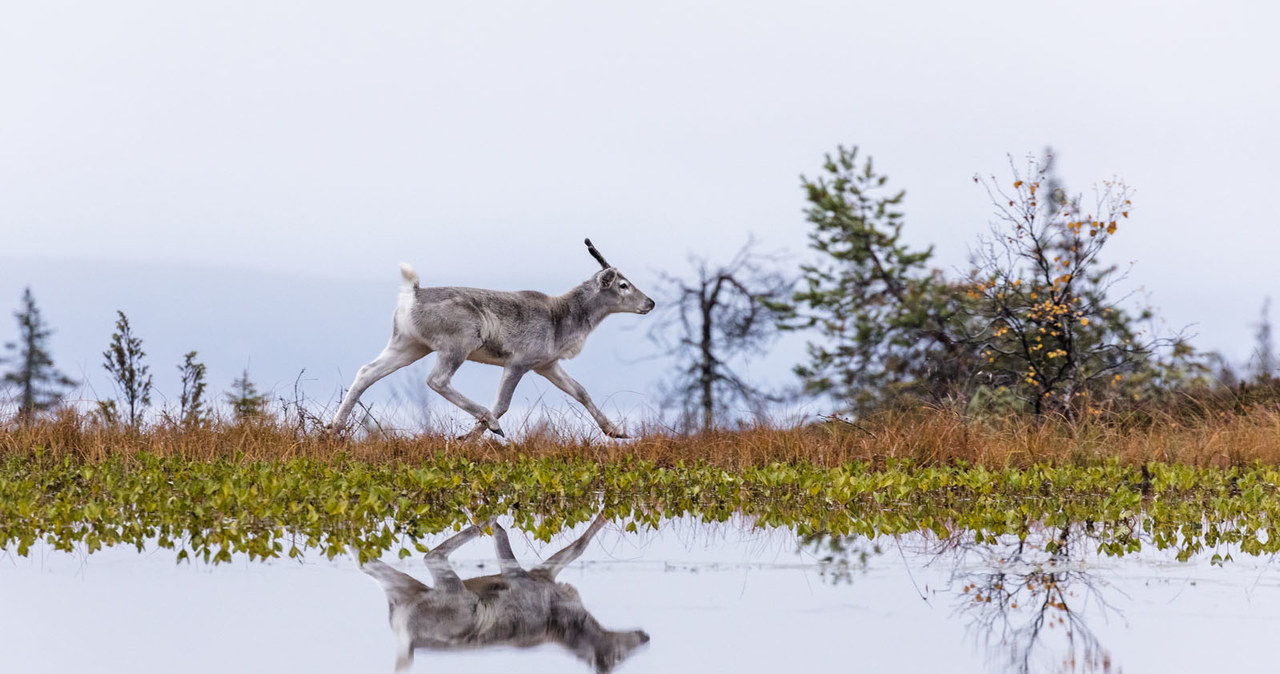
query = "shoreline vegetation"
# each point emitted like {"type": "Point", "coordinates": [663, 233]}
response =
{"type": "Point", "coordinates": [270, 490]}
{"type": "Point", "coordinates": [1217, 433]}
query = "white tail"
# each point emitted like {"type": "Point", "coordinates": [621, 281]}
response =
{"type": "Point", "coordinates": [400, 588]}
{"type": "Point", "coordinates": [408, 274]}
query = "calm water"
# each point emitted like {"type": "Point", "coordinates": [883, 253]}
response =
{"type": "Point", "coordinates": [711, 597]}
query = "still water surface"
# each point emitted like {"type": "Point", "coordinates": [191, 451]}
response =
{"type": "Point", "coordinates": [711, 597]}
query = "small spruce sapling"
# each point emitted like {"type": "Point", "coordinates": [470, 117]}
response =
{"type": "Point", "coordinates": [193, 411]}
{"type": "Point", "coordinates": [132, 379]}
{"type": "Point", "coordinates": [247, 404]}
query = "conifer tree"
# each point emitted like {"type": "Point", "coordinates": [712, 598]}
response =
{"type": "Point", "coordinates": [132, 379]}
{"type": "Point", "coordinates": [40, 386]}
{"type": "Point", "coordinates": [1264, 356]}
{"type": "Point", "coordinates": [883, 315]}
{"type": "Point", "coordinates": [192, 407]}
{"type": "Point", "coordinates": [246, 403]}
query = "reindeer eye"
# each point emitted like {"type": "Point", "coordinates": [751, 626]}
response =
{"type": "Point", "coordinates": [624, 285]}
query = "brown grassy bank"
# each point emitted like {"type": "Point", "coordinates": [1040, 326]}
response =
{"type": "Point", "coordinates": [924, 436]}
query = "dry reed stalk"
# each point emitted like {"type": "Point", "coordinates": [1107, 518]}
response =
{"type": "Point", "coordinates": [923, 436]}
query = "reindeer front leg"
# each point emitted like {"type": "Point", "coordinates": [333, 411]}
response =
{"type": "Point", "coordinates": [506, 558]}
{"type": "Point", "coordinates": [446, 578]}
{"type": "Point", "coordinates": [556, 375]}
{"type": "Point", "coordinates": [574, 550]}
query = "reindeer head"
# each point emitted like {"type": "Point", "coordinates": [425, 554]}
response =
{"type": "Point", "coordinates": [577, 630]}
{"type": "Point", "coordinates": [621, 295]}
{"type": "Point", "coordinates": [614, 647]}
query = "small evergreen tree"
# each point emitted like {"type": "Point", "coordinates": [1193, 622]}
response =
{"type": "Point", "coordinates": [132, 379]}
{"type": "Point", "coordinates": [246, 403]}
{"type": "Point", "coordinates": [884, 317]}
{"type": "Point", "coordinates": [40, 386]}
{"type": "Point", "coordinates": [1264, 357]}
{"type": "Point", "coordinates": [192, 408]}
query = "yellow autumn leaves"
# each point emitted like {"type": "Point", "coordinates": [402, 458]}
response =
{"type": "Point", "coordinates": [1094, 226]}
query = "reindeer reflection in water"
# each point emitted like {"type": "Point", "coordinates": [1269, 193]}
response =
{"type": "Point", "coordinates": [514, 608]}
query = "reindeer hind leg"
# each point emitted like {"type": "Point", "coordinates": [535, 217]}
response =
{"type": "Point", "coordinates": [399, 352]}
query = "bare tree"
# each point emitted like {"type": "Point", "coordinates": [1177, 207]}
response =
{"type": "Point", "coordinates": [726, 312]}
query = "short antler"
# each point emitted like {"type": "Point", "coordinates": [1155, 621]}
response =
{"type": "Point", "coordinates": [596, 254]}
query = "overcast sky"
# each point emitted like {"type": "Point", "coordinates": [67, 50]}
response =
{"type": "Point", "coordinates": [144, 145]}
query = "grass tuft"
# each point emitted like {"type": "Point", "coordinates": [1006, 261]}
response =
{"type": "Point", "coordinates": [922, 436]}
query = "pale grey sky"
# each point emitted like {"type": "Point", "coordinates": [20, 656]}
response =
{"type": "Point", "coordinates": [321, 143]}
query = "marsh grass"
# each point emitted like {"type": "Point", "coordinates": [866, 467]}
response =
{"type": "Point", "coordinates": [270, 488]}
{"type": "Point", "coordinates": [925, 436]}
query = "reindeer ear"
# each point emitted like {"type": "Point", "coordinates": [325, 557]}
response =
{"type": "Point", "coordinates": [607, 277]}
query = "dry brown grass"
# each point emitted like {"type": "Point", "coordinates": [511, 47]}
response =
{"type": "Point", "coordinates": [925, 436]}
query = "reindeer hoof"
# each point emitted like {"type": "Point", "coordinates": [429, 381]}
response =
{"type": "Point", "coordinates": [498, 431]}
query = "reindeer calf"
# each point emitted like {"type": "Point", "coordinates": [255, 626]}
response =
{"type": "Point", "coordinates": [520, 331]}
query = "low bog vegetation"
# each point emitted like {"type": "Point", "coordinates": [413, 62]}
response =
{"type": "Point", "coordinates": [268, 490]}
{"type": "Point", "coordinates": [214, 509]}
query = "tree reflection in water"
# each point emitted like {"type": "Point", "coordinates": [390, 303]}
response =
{"type": "Point", "coordinates": [1025, 599]}
{"type": "Point", "coordinates": [839, 557]}
{"type": "Point", "coordinates": [1029, 596]}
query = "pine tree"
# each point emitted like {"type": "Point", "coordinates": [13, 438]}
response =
{"type": "Point", "coordinates": [1264, 356]}
{"type": "Point", "coordinates": [40, 386]}
{"type": "Point", "coordinates": [246, 403]}
{"type": "Point", "coordinates": [192, 408]}
{"type": "Point", "coordinates": [883, 315]}
{"type": "Point", "coordinates": [132, 379]}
